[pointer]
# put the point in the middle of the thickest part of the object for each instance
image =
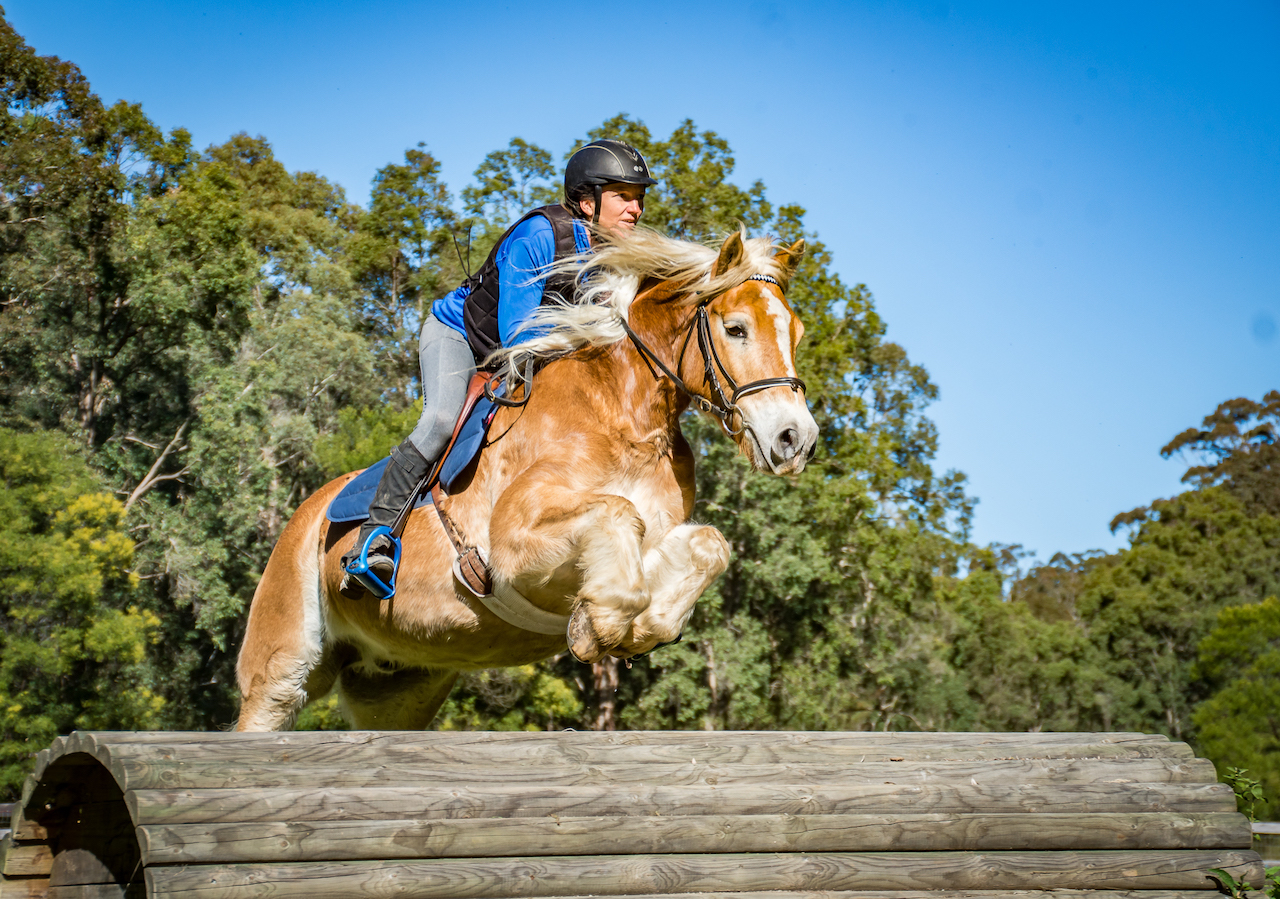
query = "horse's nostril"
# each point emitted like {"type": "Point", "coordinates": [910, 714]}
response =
{"type": "Point", "coordinates": [785, 446]}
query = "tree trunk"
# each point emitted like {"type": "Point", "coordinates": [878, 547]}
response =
{"type": "Point", "coordinates": [604, 674]}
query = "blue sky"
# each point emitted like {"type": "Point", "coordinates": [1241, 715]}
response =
{"type": "Point", "coordinates": [1068, 213]}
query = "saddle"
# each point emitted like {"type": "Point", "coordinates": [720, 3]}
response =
{"type": "Point", "coordinates": [352, 502]}
{"type": "Point", "coordinates": [469, 566]}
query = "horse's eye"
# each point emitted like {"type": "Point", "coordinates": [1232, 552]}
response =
{"type": "Point", "coordinates": [735, 331]}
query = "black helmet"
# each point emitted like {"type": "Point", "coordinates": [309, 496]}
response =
{"type": "Point", "coordinates": [599, 163]}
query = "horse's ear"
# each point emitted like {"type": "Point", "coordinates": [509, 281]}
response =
{"type": "Point", "coordinates": [788, 259]}
{"type": "Point", "coordinates": [731, 253]}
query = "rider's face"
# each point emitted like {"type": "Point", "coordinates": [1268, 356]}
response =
{"type": "Point", "coordinates": [621, 206]}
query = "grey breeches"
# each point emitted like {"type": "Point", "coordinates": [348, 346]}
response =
{"type": "Point", "coordinates": [447, 366]}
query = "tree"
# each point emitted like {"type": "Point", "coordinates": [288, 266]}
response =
{"type": "Point", "coordinates": [74, 643]}
{"type": "Point", "coordinates": [208, 326]}
{"type": "Point", "coordinates": [397, 253]}
{"type": "Point", "coordinates": [1239, 724]}
{"type": "Point", "coordinates": [510, 182]}
{"type": "Point", "coordinates": [258, 399]}
{"type": "Point", "coordinates": [1147, 608]}
{"type": "Point", "coordinates": [832, 570]}
{"type": "Point", "coordinates": [1240, 441]}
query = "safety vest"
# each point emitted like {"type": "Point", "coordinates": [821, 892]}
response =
{"type": "Point", "coordinates": [480, 308]}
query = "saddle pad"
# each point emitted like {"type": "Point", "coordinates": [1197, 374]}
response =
{"type": "Point", "coordinates": [352, 502]}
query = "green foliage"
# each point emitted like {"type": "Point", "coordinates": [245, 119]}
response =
{"type": "Point", "coordinates": [510, 182]}
{"type": "Point", "coordinates": [525, 698]}
{"type": "Point", "coordinates": [74, 643]}
{"type": "Point", "coordinates": [215, 336]}
{"type": "Point", "coordinates": [1228, 885]}
{"type": "Point", "coordinates": [1241, 442]}
{"type": "Point", "coordinates": [363, 436]}
{"type": "Point", "coordinates": [396, 255]}
{"type": "Point", "coordinates": [1248, 791]}
{"type": "Point", "coordinates": [1148, 608]}
{"type": "Point", "coordinates": [1239, 724]}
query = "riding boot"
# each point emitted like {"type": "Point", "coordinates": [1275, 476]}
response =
{"type": "Point", "coordinates": [404, 471]}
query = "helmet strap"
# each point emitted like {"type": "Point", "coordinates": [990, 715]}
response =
{"type": "Point", "coordinates": [599, 191]}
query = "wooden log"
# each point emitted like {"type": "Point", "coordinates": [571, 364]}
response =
{"type": "Point", "coordinates": [528, 837]}
{"type": "Point", "coordinates": [919, 894]}
{"type": "Point", "coordinates": [99, 891]}
{"type": "Point", "coordinates": [635, 747]}
{"type": "Point", "coordinates": [24, 859]}
{"type": "Point", "coordinates": [198, 773]}
{"type": "Point", "coordinates": [83, 741]}
{"type": "Point", "coordinates": [24, 887]}
{"type": "Point", "coordinates": [24, 829]}
{"type": "Point", "coordinates": [485, 801]}
{"type": "Point", "coordinates": [622, 875]}
{"type": "Point", "coordinates": [531, 754]}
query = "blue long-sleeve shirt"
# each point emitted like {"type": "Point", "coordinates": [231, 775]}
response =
{"type": "Point", "coordinates": [523, 259]}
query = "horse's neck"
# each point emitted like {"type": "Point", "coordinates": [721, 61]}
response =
{"type": "Point", "coordinates": [648, 397]}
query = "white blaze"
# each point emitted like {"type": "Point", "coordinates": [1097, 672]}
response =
{"type": "Point", "coordinates": [782, 329]}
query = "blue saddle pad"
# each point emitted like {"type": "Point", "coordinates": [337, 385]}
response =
{"type": "Point", "coordinates": [352, 503]}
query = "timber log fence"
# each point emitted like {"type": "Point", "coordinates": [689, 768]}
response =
{"type": "Point", "coordinates": [729, 815]}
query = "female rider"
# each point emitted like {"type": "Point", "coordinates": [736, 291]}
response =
{"type": "Point", "coordinates": [604, 183]}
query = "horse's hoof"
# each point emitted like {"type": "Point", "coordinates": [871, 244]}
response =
{"type": "Point", "coordinates": [581, 636]}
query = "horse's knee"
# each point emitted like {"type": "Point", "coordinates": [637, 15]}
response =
{"type": "Point", "coordinates": [709, 551]}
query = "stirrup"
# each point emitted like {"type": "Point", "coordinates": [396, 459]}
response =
{"type": "Point", "coordinates": [358, 568]}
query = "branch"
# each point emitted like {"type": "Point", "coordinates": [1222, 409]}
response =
{"type": "Point", "coordinates": [153, 476]}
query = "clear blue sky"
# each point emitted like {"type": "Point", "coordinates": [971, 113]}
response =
{"type": "Point", "coordinates": [1068, 213]}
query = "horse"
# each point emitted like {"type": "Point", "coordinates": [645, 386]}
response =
{"type": "Point", "coordinates": [581, 499]}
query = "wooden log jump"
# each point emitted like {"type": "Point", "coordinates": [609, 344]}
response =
{"type": "Point", "coordinates": [731, 815]}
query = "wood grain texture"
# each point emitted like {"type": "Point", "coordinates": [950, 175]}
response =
{"type": "Point", "coordinates": [622, 875]}
{"type": "Point", "coordinates": [24, 859]}
{"type": "Point", "coordinates": [109, 748]}
{"type": "Point", "coordinates": [32, 859]}
{"type": "Point", "coordinates": [99, 891]}
{"type": "Point", "coordinates": [24, 888]}
{"type": "Point", "coordinates": [534, 754]}
{"type": "Point", "coordinates": [24, 829]}
{"type": "Point", "coordinates": [919, 894]}
{"type": "Point", "coordinates": [777, 815]}
{"type": "Point", "coordinates": [482, 801]}
{"type": "Point", "coordinates": [197, 773]}
{"type": "Point", "coordinates": [607, 835]}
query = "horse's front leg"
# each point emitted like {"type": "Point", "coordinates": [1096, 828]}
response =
{"type": "Point", "coordinates": [678, 571]}
{"type": "Point", "coordinates": [543, 533]}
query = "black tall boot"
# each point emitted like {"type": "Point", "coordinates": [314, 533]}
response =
{"type": "Point", "coordinates": [403, 473]}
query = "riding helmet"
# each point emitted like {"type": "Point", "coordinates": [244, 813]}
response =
{"type": "Point", "coordinates": [605, 162]}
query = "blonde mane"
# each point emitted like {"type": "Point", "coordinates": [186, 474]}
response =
{"type": "Point", "coordinates": [608, 281]}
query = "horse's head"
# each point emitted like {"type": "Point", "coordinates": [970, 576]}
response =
{"type": "Point", "coordinates": [748, 336]}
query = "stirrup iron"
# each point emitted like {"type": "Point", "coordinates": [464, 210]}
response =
{"type": "Point", "coordinates": [359, 571]}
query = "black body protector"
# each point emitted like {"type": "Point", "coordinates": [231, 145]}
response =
{"type": "Point", "coordinates": [480, 308]}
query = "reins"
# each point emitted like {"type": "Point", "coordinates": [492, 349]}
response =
{"type": "Point", "coordinates": [720, 406]}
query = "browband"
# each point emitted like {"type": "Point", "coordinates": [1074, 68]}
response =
{"type": "Point", "coordinates": [770, 278]}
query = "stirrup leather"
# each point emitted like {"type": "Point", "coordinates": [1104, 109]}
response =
{"type": "Point", "coordinates": [358, 568]}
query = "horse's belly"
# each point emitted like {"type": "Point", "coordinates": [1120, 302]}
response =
{"type": "Point", "coordinates": [443, 632]}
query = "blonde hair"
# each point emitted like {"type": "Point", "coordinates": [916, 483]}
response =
{"type": "Point", "coordinates": [608, 280]}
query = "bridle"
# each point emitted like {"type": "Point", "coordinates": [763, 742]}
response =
{"type": "Point", "coordinates": [720, 406]}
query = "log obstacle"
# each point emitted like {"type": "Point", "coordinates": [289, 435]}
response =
{"type": "Point", "coordinates": [731, 815]}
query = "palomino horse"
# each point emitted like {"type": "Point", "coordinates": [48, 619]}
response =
{"type": "Point", "coordinates": [580, 502]}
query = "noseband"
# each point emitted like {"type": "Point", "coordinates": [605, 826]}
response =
{"type": "Point", "coordinates": [720, 406]}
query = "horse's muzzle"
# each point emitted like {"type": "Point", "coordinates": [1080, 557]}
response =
{"type": "Point", "coordinates": [783, 435]}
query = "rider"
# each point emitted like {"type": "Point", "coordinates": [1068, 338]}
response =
{"type": "Point", "coordinates": [604, 183]}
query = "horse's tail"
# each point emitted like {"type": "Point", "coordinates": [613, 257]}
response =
{"type": "Point", "coordinates": [284, 638]}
